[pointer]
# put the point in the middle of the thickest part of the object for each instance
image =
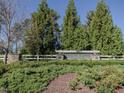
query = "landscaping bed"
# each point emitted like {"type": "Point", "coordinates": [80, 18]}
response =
{"type": "Point", "coordinates": [34, 77]}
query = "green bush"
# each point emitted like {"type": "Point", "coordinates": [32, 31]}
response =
{"type": "Point", "coordinates": [89, 63]}
{"type": "Point", "coordinates": [30, 77]}
{"type": "Point", "coordinates": [109, 84]}
{"type": "Point", "coordinates": [105, 89]}
{"type": "Point", "coordinates": [104, 78]}
{"type": "Point", "coordinates": [73, 84]}
{"type": "Point", "coordinates": [23, 78]}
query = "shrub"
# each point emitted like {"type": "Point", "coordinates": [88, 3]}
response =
{"type": "Point", "coordinates": [30, 77]}
{"type": "Point", "coordinates": [105, 89]}
{"type": "Point", "coordinates": [104, 78]}
{"type": "Point", "coordinates": [73, 84]}
{"type": "Point", "coordinates": [109, 84]}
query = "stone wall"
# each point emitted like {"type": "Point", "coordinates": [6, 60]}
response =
{"type": "Point", "coordinates": [78, 55]}
{"type": "Point", "coordinates": [81, 56]}
{"type": "Point", "coordinates": [13, 58]}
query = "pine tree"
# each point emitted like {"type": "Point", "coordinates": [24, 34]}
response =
{"type": "Point", "coordinates": [117, 44]}
{"type": "Point", "coordinates": [81, 39]}
{"type": "Point", "coordinates": [88, 28]}
{"type": "Point", "coordinates": [90, 16]}
{"type": "Point", "coordinates": [44, 25]}
{"type": "Point", "coordinates": [100, 29]}
{"type": "Point", "coordinates": [33, 40]}
{"type": "Point", "coordinates": [104, 36]}
{"type": "Point", "coordinates": [70, 25]}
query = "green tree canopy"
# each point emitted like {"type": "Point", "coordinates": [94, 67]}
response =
{"type": "Point", "coordinates": [117, 41]}
{"type": "Point", "coordinates": [102, 32]}
{"type": "Point", "coordinates": [44, 24]}
{"type": "Point", "coordinates": [70, 25]}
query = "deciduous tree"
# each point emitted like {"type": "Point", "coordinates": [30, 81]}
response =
{"type": "Point", "coordinates": [7, 13]}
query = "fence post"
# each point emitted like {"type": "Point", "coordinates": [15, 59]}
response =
{"type": "Point", "coordinates": [3, 57]}
{"type": "Point", "coordinates": [37, 57]}
{"type": "Point", "coordinates": [114, 58]}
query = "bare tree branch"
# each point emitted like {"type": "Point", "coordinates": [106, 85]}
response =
{"type": "Point", "coordinates": [7, 13]}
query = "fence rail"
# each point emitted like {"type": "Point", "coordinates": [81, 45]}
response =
{"type": "Point", "coordinates": [39, 57]}
{"type": "Point", "coordinates": [54, 57]}
{"type": "Point", "coordinates": [1, 57]}
{"type": "Point", "coordinates": [110, 57]}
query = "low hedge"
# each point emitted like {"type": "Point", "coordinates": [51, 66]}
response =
{"type": "Point", "coordinates": [76, 62]}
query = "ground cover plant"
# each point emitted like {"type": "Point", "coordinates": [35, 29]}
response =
{"type": "Point", "coordinates": [33, 77]}
{"type": "Point", "coordinates": [103, 79]}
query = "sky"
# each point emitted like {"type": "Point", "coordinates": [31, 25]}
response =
{"type": "Point", "coordinates": [26, 7]}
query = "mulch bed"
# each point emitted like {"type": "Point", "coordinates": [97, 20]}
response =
{"type": "Point", "coordinates": [120, 90]}
{"type": "Point", "coordinates": [61, 85]}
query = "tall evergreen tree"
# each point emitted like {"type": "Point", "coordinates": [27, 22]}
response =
{"type": "Point", "coordinates": [104, 36]}
{"type": "Point", "coordinates": [100, 28]}
{"type": "Point", "coordinates": [44, 25]}
{"type": "Point", "coordinates": [70, 25]}
{"type": "Point", "coordinates": [90, 16]}
{"type": "Point", "coordinates": [88, 28]}
{"type": "Point", "coordinates": [117, 41]}
{"type": "Point", "coordinates": [81, 39]}
{"type": "Point", "coordinates": [32, 38]}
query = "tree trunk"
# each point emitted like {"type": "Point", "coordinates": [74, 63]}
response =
{"type": "Point", "coordinates": [6, 56]}
{"type": "Point", "coordinates": [16, 47]}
